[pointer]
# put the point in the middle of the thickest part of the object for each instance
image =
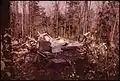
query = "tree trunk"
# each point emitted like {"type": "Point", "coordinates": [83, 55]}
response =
{"type": "Point", "coordinates": [16, 18]}
{"type": "Point", "coordinates": [85, 16]}
{"type": "Point", "coordinates": [24, 18]}
{"type": "Point", "coordinates": [22, 22]}
{"type": "Point", "coordinates": [112, 32]}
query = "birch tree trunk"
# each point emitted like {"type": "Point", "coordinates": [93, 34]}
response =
{"type": "Point", "coordinates": [29, 18]}
{"type": "Point", "coordinates": [85, 17]}
{"type": "Point", "coordinates": [64, 29]}
{"type": "Point", "coordinates": [13, 18]}
{"type": "Point", "coordinates": [79, 23]}
{"type": "Point", "coordinates": [16, 18]}
{"type": "Point", "coordinates": [22, 20]}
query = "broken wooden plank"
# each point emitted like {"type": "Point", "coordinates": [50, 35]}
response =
{"type": "Point", "coordinates": [41, 54]}
{"type": "Point", "coordinates": [69, 48]}
{"type": "Point", "coordinates": [45, 46]}
{"type": "Point", "coordinates": [60, 60]}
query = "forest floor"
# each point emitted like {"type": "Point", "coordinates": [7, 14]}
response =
{"type": "Point", "coordinates": [73, 63]}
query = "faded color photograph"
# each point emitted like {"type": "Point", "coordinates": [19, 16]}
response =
{"type": "Point", "coordinates": [61, 40]}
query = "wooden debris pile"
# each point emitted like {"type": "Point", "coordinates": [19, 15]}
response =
{"type": "Point", "coordinates": [48, 53]}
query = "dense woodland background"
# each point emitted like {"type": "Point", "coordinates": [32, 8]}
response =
{"type": "Point", "coordinates": [79, 18]}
